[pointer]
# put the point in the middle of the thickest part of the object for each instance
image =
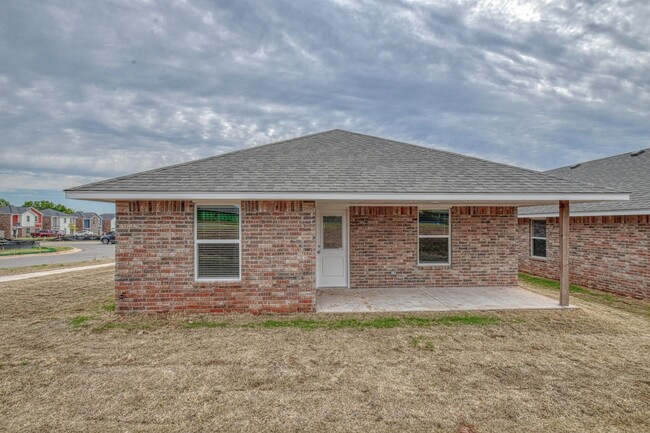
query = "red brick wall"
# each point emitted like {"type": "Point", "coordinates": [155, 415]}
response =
{"type": "Point", "coordinates": [384, 239]}
{"type": "Point", "coordinates": [106, 226]}
{"type": "Point", "coordinates": [47, 223]}
{"type": "Point", "coordinates": [5, 225]}
{"type": "Point", "coordinates": [610, 253]}
{"type": "Point", "coordinates": [155, 259]}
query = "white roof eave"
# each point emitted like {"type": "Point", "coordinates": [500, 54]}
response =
{"type": "Point", "coordinates": [510, 199]}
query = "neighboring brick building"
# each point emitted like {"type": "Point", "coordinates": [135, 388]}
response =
{"type": "Point", "coordinates": [610, 241]}
{"type": "Point", "coordinates": [262, 229]}
{"type": "Point", "coordinates": [20, 221]}
{"type": "Point", "coordinates": [88, 221]}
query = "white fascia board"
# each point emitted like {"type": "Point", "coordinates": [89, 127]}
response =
{"type": "Point", "coordinates": [535, 198]}
{"type": "Point", "coordinates": [589, 213]}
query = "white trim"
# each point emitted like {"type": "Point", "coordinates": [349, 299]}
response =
{"type": "Point", "coordinates": [589, 213]}
{"type": "Point", "coordinates": [347, 215]}
{"type": "Point", "coordinates": [520, 198]}
{"type": "Point", "coordinates": [215, 241]}
{"type": "Point", "coordinates": [532, 238]}
{"type": "Point", "coordinates": [448, 237]}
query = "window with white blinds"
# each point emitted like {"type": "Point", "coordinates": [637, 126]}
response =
{"type": "Point", "coordinates": [217, 242]}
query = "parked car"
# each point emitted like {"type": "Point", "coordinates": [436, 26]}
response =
{"type": "Point", "coordinates": [47, 234]}
{"type": "Point", "coordinates": [85, 234]}
{"type": "Point", "coordinates": [108, 237]}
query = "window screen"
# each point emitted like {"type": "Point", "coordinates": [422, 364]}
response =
{"type": "Point", "coordinates": [433, 237]}
{"type": "Point", "coordinates": [217, 242]}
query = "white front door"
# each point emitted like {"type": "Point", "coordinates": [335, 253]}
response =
{"type": "Point", "coordinates": [332, 248]}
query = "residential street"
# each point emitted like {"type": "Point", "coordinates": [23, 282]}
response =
{"type": "Point", "coordinates": [91, 250]}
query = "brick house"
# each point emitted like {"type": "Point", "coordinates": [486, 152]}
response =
{"type": "Point", "coordinates": [262, 229]}
{"type": "Point", "coordinates": [20, 221]}
{"type": "Point", "coordinates": [610, 241]}
{"type": "Point", "coordinates": [88, 221]}
{"type": "Point", "coordinates": [108, 222]}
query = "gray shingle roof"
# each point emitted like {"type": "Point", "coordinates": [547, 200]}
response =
{"type": "Point", "coordinates": [107, 216]}
{"type": "Point", "coordinates": [13, 210]}
{"type": "Point", "coordinates": [52, 212]}
{"type": "Point", "coordinates": [341, 161]}
{"type": "Point", "coordinates": [622, 172]}
{"type": "Point", "coordinates": [84, 215]}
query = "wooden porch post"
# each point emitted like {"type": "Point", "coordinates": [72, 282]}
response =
{"type": "Point", "coordinates": [564, 253]}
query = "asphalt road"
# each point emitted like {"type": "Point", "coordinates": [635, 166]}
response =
{"type": "Point", "coordinates": [91, 250]}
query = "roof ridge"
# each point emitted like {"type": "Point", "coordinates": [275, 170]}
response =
{"type": "Point", "coordinates": [597, 159]}
{"type": "Point", "coordinates": [180, 164]}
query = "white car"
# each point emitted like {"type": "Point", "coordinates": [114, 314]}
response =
{"type": "Point", "coordinates": [84, 234]}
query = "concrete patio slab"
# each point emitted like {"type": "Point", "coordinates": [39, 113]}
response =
{"type": "Point", "coordinates": [430, 299]}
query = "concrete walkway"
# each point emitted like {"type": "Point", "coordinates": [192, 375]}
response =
{"type": "Point", "coordinates": [52, 272]}
{"type": "Point", "coordinates": [431, 299]}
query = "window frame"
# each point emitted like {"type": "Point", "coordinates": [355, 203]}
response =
{"type": "Point", "coordinates": [215, 241]}
{"type": "Point", "coordinates": [533, 238]}
{"type": "Point", "coordinates": [447, 236]}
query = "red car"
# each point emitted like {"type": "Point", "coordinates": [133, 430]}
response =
{"type": "Point", "coordinates": [46, 234]}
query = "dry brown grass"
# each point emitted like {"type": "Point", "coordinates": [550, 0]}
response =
{"type": "Point", "coordinates": [586, 369]}
{"type": "Point", "coordinates": [38, 268]}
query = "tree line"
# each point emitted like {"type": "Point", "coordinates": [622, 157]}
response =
{"type": "Point", "coordinates": [40, 205]}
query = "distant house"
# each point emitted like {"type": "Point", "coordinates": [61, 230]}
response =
{"type": "Point", "coordinates": [57, 220]}
{"type": "Point", "coordinates": [20, 221]}
{"type": "Point", "coordinates": [108, 222]}
{"type": "Point", "coordinates": [610, 241]}
{"type": "Point", "coordinates": [263, 229]}
{"type": "Point", "coordinates": [88, 221]}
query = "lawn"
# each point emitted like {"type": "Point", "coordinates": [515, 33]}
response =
{"type": "Point", "coordinates": [35, 250]}
{"type": "Point", "coordinates": [67, 362]}
{"type": "Point", "coordinates": [50, 266]}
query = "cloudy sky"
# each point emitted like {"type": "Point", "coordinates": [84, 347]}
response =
{"type": "Point", "coordinates": [91, 90]}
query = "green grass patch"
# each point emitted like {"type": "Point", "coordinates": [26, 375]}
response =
{"type": "Point", "coordinates": [36, 250]}
{"type": "Point", "coordinates": [205, 324]}
{"type": "Point", "coordinates": [383, 322]}
{"type": "Point", "coordinates": [549, 284]}
{"type": "Point", "coordinates": [129, 326]}
{"type": "Point", "coordinates": [420, 342]}
{"type": "Point", "coordinates": [631, 305]}
{"type": "Point", "coordinates": [79, 321]}
{"type": "Point", "coordinates": [110, 306]}
{"type": "Point", "coordinates": [386, 322]}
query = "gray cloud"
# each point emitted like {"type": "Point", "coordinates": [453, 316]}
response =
{"type": "Point", "coordinates": [91, 90]}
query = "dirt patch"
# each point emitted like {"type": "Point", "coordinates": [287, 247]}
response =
{"type": "Point", "coordinates": [67, 362]}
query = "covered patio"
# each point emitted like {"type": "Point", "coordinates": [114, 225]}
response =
{"type": "Point", "coordinates": [431, 299]}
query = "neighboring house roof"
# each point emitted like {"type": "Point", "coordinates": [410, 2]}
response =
{"type": "Point", "coordinates": [336, 164]}
{"type": "Point", "coordinates": [13, 210]}
{"type": "Point", "coordinates": [17, 210]}
{"type": "Point", "coordinates": [85, 215]}
{"type": "Point", "coordinates": [52, 212]}
{"type": "Point", "coordinates": [107, 216]}
{"type": "Point", "coordinates": [626, 172]}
